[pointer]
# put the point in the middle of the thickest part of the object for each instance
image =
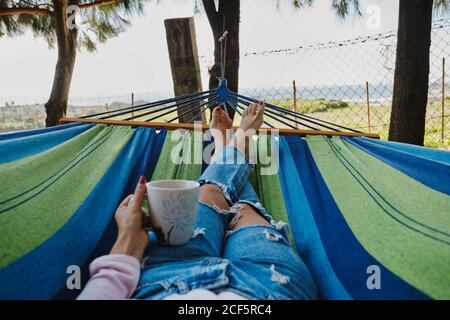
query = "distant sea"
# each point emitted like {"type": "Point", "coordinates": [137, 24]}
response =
{"type": "Point", "coordinates": [341, 92]}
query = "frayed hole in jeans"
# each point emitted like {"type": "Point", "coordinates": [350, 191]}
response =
{"type": "Point", "coordinates": [278, 277]}
{"type": "Point", "coordinates": [236, 207]}
{"type": "Point", "coordinates": [229, 233]}
{"type": "Point", "coordinates": [278, 225]}
{"type": "Point", "coordinates": [215, 207]}
{"type": "Point", "coordinates": [271, 236]}
{"type": "Point", "coordinates": [197, 232]}
{"type": "Point", "coordinates": [221, 186]}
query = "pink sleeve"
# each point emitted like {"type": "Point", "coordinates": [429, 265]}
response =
{"type": "Point", "coordinates": [113, 276]}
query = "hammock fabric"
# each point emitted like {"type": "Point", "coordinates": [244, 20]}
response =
{"type": "Point", "coordinates": [351, 203]}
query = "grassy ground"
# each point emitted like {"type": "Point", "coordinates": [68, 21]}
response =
{"type": "Point", "coordinates": [354, 115]}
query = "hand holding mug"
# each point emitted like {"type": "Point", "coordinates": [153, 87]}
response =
{"type": "Point", "coordinates": [132, 239]}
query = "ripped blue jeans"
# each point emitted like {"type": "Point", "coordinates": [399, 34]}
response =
{"type": "Point", "coordinates": [256, 262]}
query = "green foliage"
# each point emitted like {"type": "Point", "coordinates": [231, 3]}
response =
{"type": "Point", "coordinates": [96, 24]}
{"type": "Point", "coordinates": [344, 7]}
{"type": "Point", "coordinates": [441, 5]}
{"type": "Point", "coordinates": [12, 25]}
{"type": "Point", "coordinates": [322, 105]}
{"type": "Point", "coordinates": [302, 3]}
{"type": "Point", "coordinates": [341, 7]}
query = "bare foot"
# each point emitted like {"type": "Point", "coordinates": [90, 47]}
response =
{"type": "Point", "coordinates": [252, 119]}
{"type": "Point", "coordinates": [253, 116]}
{"type": "Point", "coordinates": [220, 122]}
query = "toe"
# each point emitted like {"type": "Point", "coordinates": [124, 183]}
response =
{"type": "Point", "coordinates": [216, 113]}
{"type": "Point", "coordinates": [227, 119]}
{"type": "Point", "coordinates": [215, 119]}
{"type": "Point", "coordinates": [261, 108]}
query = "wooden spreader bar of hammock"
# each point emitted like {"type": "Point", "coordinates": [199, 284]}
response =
{"type": "Point", "coordinates": [190, 126]}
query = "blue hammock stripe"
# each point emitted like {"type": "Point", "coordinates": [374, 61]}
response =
{"type": "Point", "coordinates": [19, 146]}
{"type": "Point", "coordinates": [383, 203]}
{"type": "Point", "coordinates": [424, 152]}
{"type": "Point", "coordinates": [346, 255]}
{"type": "Point", "coordinates": [42, 273]}
{"type": "Point", "coordinates": [47, 182]}
{"type": "Point", "coordinates": [302, 224]}
{"type": "Point", "coordinates": [33, 132]}
{"type": "Point", "coordinates": [430, 167]}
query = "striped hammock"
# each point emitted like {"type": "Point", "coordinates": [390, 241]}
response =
{"type": "Point", "coordinates": [352, 204]}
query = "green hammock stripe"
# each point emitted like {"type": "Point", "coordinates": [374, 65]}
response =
{"type": "Point", "coordinates": [265, 180]}
{"type": "Point", "coordinates": [410, 241]}
{"type": "Point", "coordinates": [56, 192]}
{"type": "Point", "coordinates": [179, 157]}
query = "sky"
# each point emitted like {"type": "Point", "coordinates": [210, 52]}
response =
{"type": "Point", "coordinates": [137, 60]}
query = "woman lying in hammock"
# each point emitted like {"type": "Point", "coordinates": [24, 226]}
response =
{"type": "Point", "coordinates": [240, 253]}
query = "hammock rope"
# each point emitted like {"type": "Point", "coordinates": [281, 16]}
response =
{"type": "Point", "coordinates": [197, 103]}
{"type": "Point", "coordinates": [200, 102]}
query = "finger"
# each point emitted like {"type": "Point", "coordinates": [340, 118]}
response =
{"type": "Point", "coordinates": [126, 201]}
{"type": "Point", "coordinates": [139, 193]}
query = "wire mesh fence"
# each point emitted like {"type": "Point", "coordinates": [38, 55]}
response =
{"type": "Point", "coordinates": [349, 83]}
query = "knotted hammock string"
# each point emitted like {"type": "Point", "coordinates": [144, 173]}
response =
{"type": "Point", "coordinates": [236, 103]}
{"type": "Point", "coordinates": [208, 105]}
{"type": "Point", "coordinates": [223, 55]}
{"type": "Point", "coordinates": [275, 116]}
{"type": "Point", "coordinates": [297, 114]}
{"type": "Point", "coordinates": [179, 106]}
{"type": "Point", "coordinates": [156, 108]}
{"type": "Point", "coordinates": [223, 52]}
{"type": "Point", "coordinates": [233, 104]}
{"type": "Point", "coordinates": [148, 105]}
{"type": "Point", "coordinates": [209, 102]}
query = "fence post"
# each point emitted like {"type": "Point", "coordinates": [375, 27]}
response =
{"type": "Point", "coordinates": [183, 56]}
{"type": "Point", "coordinates": [106, 107]}
{"type": "Point", "coordinates": [294, 94]}
{"type": "Point", "coordinates": [443, 101]}
{"type": "Point", "coordinates": [132, 104]}
{"type": "Point", "coordinates": [368, 104]}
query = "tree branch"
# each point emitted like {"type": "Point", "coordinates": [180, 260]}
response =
{"type": "Point", "coordinates": [13, 11]}
{"type": "Point", "coordinates": [97, 3]}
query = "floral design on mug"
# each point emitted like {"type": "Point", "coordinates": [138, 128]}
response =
{"type": "Point", "coordinates": [177, 210]}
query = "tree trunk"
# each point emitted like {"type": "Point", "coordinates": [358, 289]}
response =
{"type": "Point", "coordinates": [183, 56]}
{"type": "Point", "coordinates": [227, 18]}
{"type": "Point", "coordinates": [56, 105]}
{"type": "Point", "coordinates": [412, 67]}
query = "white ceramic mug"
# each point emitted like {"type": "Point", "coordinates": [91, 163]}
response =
{"type": "Point", "coordinates": [173, 208]}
